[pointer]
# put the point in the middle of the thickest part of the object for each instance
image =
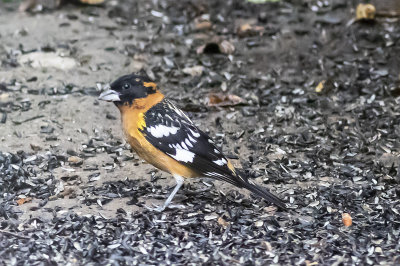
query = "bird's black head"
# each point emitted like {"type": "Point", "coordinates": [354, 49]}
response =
{"type": "Point", "coordinates": [128, 88]}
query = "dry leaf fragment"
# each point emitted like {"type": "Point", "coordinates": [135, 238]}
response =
{"type": "Point", "coordinates": [203, 25]}
{"type": "Point", "coordinates": [70, 192]}
{"type": "Point", "coordinates": [220, 99]}
{"type": "Point", "coordinates": [365, 11]}
{"type": "Point", "coordinates": [23, 201]}
{"type": "Point", "coordinates": [325, 86]}
{"type": "Point", "coordinates": [75, 160]}
{"type": "Point", "coordinates": [346, 219]}
{"type": "Point", "coordinates": [247, 29]}
{"type": "Point", "coordinates": [320, 86]}
{"type": "Point", "coordinates": [221, 221]}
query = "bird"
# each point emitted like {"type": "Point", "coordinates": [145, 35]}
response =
{"type": "Point", "coordinates": [165, 137]}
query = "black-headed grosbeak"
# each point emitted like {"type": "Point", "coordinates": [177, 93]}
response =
{"type": "Point", "coordinates": [165, 137]}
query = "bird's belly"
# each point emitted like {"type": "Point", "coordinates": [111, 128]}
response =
{"type": "Point", "coordinates": [157, 158]}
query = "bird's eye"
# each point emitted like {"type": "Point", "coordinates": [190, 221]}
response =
{"type": "Point", "coordinates": [126, 86]}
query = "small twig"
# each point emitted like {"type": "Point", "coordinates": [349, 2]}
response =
{"type": "Point", "coordinates": [14, 234]}
{"type": "Point", "coordinates": [26, 120]}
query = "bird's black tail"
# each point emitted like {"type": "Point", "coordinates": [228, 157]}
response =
{"type": "Point", "coordinates": [239, 179]}
{"type": "Point", "coordinates": [265, 194]}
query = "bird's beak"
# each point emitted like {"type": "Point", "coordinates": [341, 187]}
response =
{"type": "Point", "coordinates": [109, 95]}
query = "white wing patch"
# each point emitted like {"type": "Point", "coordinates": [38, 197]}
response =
{"type": "Point", "coordinates": [187, 141]}
{"type": "Point", "coordinates": [192, 139]}
{"type": "Point", "coordinates": [183, 156]}
{"type": "Point", "coordinates": [195, 134]}
{"type": "Point", "coordinates": [220, 162]}
{"type": "Point", "coordinates": [160, 131]}
{"type": "Point", "coordinates": [184, 145]}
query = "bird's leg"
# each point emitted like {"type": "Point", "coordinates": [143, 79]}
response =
{"type": "Point", "coordinates": [179, 183]}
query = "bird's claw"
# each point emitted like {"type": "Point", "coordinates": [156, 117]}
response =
{"type": "Point", "coordinates": [162, 208]}
{"type": "Point", "coordinates": [155, 208]}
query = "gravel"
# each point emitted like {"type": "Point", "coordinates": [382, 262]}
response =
{"type": "Point", "coordinates": [326, 149]}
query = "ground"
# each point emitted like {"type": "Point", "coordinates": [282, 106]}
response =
{"type": "Point", "coordinates": [318, 123]}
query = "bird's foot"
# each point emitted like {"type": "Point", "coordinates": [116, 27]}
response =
{"type": "Point", "coordinates": [155, 208]}
{"type": "Point", "coordinates": [162, 208]}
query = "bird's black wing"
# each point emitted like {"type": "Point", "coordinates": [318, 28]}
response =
{"type": "Point", "coordinates": [172, 132]}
